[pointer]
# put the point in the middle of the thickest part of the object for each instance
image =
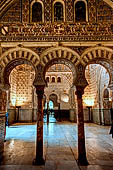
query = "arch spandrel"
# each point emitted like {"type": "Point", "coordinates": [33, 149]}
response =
{"type": "Point", "coordinates": [13, 57]}
{"type": "Point", "coordinates": [99, 55]}
{"type": "Point", "coordinates": [15, 53]}
{"type": "Point", "coordinates": [10, 66]}
{"type": "Point", "coordinates": [60, 52]}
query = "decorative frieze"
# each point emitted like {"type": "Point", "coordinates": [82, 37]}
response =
{"type": "Point", "coordinates": [80, 50]}
{"type": "Point", "coordinates": [58, 32]}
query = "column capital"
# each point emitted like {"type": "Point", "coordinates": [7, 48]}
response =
{"type": "Point", "coordinates": [39, 77]}
{"type": "Point", "coordinates": [79, 90]}
{"type": "Point", "coordinates": [4, 87]}
{"type": "Point", "coordinates": [80, 80]}
{"type": "Point", "coordinates": [40, 90]}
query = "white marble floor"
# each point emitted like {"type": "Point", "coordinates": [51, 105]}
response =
{"type": "Point", "coordinates": [60, 147]}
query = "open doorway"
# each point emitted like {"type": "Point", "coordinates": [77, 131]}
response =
{"type": "Point", "coordinates": [97, 95]}
{"type": "Point", "coordinates": [60, 91]}
{"type": "Point", "coordinates": [51, 112]}
{"type": "Point", "coordinates": [21, 104]}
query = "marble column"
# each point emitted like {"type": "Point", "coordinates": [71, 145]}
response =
{"type": "Point", "coordinates": [47, 112]}
{"type": "Point", "coordinates": [39, 142]}
{"type": "Point", "coordinates": [72, 104]}
{"type": "Point", "coordinates": [82, 160]}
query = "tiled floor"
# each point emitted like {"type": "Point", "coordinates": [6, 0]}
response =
{"type": "Point", "coordinates": [60, 147]}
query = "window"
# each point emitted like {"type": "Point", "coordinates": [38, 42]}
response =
{"type": "Point", "coordinates": [80, 11]}
{"type": "Point", "coordinates": [53, 79]}
{"type": "Point", "coordinates": [59, 79]}
{"type": "Point", "coordinates": [106, 93]}
{"type": "Point", "coordinates": [47, 79]}
{"type": "Point", "coordinates": [37, 12]}
{"type": "Point", "coordinates": [58, 12]}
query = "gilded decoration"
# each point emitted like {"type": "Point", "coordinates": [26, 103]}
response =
{"type": "Point", "coordinates": [22, 29]}
{"type": "Point", "coordinates": [58, 32]}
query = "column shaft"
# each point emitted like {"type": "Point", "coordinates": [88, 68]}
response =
{"type": "Point", "coordinates": [47, 112]}
{"type": "Point", "coordinates": [39, 142]}
{"type": "Point", "coordinates": [82, 160]}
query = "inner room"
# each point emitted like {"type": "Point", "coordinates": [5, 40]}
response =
{"type": "Point", "coordinates": [22, 100]}
{"type": "Point", "coordinates": [56, 84]}
{"type": "Point", "coordinates": [60, 102]}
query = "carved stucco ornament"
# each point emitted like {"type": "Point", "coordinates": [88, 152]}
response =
{"type": "Point", "coordinates": [39, 78]}
{"type": "Point", "coordinates": [80, 77]}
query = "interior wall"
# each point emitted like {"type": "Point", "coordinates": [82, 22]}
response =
{"type": "Point", "coordinates": [98, 79]}
{"type": "Point", "coordinates": [21, 94]}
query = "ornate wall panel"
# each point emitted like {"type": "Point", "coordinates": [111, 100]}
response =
{"type": "Point", "coordinates": [69, 11]}
{"type": "Point", "coordinates": [17, 53]}
{"type": "Point", "coordinates": [25, 11]}
{"type": "Point", "coordinates": [102, 56]}
{"type": "Point", "coordinates": [13, 13]}
{"type": "Point", "coordinates": [92, 10]}
{"type": "Point", "coordinates": [97, 53]}
{"type": "Point", "coordinates": [48, 9]}
{"type": "Point", "coordinates": [60, 52]}
{"type": "Point", "coordinates": [104, 12]}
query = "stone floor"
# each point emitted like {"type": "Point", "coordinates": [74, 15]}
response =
{"type": "Point", "coordinates": [60, 147]}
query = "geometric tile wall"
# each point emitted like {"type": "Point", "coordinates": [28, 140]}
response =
{"type": "Point", "coordinates": [21, 85]}
{"type": "Point", "coordinates": [98, 78]}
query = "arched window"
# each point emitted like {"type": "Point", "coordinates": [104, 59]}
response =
{"type": "Point", "coordinates": [59, 79]}
{"type": "Point", "coordinates": [37, 12]}
{"type": "Point", "coordinates": [80, 11]}
{"type": "Point", "coordinates": [106, 93]}
{"type": "Point", "coordinates": [58, 12]}
{"type": "Point", "coordinates": [53, 80]}
{"type": "Point", "coordinates": [47, 79]}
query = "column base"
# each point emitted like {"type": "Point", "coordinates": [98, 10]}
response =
{"type": "Point", "coordinates": [82, 160]}
{"type": "Point", "coordinates": [39, 161]}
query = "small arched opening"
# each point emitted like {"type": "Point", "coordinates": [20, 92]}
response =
{"type": "Point", "coordinates": [58, 11]}
{"type": "Point", "coordinates": [62, 70]}
{"type": "Point", "coordinates": [37, 12]}
{"type": "Point", "coordinates": [80, 11]}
